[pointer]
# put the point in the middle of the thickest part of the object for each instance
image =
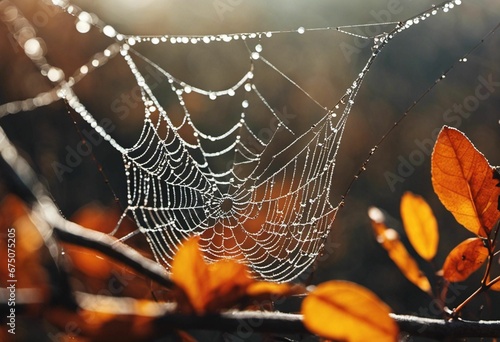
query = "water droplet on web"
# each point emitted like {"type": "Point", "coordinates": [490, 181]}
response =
{"type": "Point", "coordinates": [463, 60]}
{"type": "Point", "coordinates": [82, 26]}
{"type": "Point", "coordinates": [155, 41]}
{"type": "Point", "coordinates": [131, 41]}
{"type": "Point", "coordinates": [33, 48]}
{"type": "Point", "coordinates": [269, 34]}
{"type": "Point", "coordinates": [187, 89]}
{"type": "Point", "coordinates": [184, 40]}
{"type": "Point", "coordinates": [109, 31]}
{"type": "Point", "coordinates": [248, 87]}
{"type": "Point", "coordinates": [212, 96]}
{"type": "Point", "coordinates": [55, 74]}
{"type": "Point", "coordinates": [258, 48]}
{"type": "Point", "coordinates": [301, 30]}
{"type": "Point", "coordinates": [230, 92]}
{"type": "Point", "coordinates": [255, 55]}
{"type": "Point", "coordinates": [244, 104]}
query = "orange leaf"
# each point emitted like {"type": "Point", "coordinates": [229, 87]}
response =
{"type": "Point", "coordinates": [221, 285]}
{"type": "Point", "coordinates": [191, 274]}
{"type": "Point", "coordinates": [495, 286]}
{"type": "Point", "coordinates": [464, 259]}
{"type": "Point", "coordinates": [348, 312]}
{"type": "Point", "coordinates": [227, 283]}
{"type": "Point", "coordinates": [463, 181]}
{"type": "Point", "coordinates": [420, 225]}
{"type": "Point", "coordinates": [389, 239]}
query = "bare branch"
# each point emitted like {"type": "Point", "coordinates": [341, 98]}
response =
{"type": "Point", "coordinates": [23, 181]}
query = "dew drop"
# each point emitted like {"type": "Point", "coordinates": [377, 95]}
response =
{"type": "Point", "coordinates": [82, 26]}
{"type": "Point", "coordinates": [244, 104]}
{"type": "Point", "coordinates": [230, 92]}
{"type": "Point", "coordinates": [155, 40]}
{"type": "Point", "coordinates": [187, 89]}
{"type": "Point", "coordinates": [131, 41]}
{"type": "Point", "coordinates": [55, 74]}
{"type": "Point", "coordinates": [258, 48]}
{"type": "Point", "coordinates": [33, 48]}
{"type": "Point", "coordinates": [212, 96]}
{"type": "Point", "coordinates": [109, 31]}
{"type": "Point", "coordinates": [301, 30]}
{"type": "Point", "coordinates": [255, 55]}
{"type": "Point", "coordinates": [206, 39]}
{"type": "Point", "coordinates": [248, 87]}
{"type": "Point", "coordinates": [269, 34]}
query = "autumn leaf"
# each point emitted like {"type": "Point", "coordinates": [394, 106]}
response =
{"type": "Point", "coordinates": [464, 259]}
{"type": "Point", "coordinates": [389, 239]}
{"type": "Point", "coordinates": [346, 311]}
{"type": "Point", "coordinates": [464, 183]}
{"type": "Point", "coordinates": [420, 225]}
{"type": "Point", "coordinates": [220, 285]}
{"type": "Point", "coordinates": [493, 284]}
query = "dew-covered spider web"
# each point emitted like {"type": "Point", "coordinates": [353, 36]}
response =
{"type": "Point", "coordinates": [265, 201]}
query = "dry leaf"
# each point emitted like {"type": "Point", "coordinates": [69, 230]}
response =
{"type": "Point", "coordinates": [346, 311]}
{"type": "Point", "coordinates": [420, 225]}
{"type": "Point", "coordinates": [463, 181]}
{"type": "Point", "coordinates": [464, 259]}
{"type": "Point", "coordinates": [389, 239]}
{"type": "Point", "coordinates": [190, 273]}
{"type": "Point", "coordinates": [495, 286]}
{"type": "Point", "coordinates": [221, 285]}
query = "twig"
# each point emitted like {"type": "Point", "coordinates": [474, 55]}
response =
{"type": "Point", "coordinates": [23, 181]}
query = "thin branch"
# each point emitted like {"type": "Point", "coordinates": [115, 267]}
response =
{"type": "Point", "coordinates": [72, 233]}
{"type": "Point", "coordinates": [23, 181]}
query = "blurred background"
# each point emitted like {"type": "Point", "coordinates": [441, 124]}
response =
{"type": "Point", "coordinates": [323, 62]}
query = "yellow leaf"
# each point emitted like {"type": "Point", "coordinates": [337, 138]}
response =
{"type": "Point", "coordinates": [191, 274]}
{"type": "Point", "coordinates": [420, 225]}
{"type": "Point", "coordinates": [346, 311]}
{"type": "Point", "coordinates": [389, 239]}
{"type": "Point", "coordinates": [464, 259]}
{"type": "Point", "coordinates": [263, 288]}
{"type": "Point", "coordinates": [227, 283]}
{"type": "Point", "coordinates": [463, 181]}
{"type": "Point", "coordinates": [217, 286]}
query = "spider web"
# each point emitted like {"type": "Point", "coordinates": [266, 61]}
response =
{"type": "Point", "coordinates": [271, 210]}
